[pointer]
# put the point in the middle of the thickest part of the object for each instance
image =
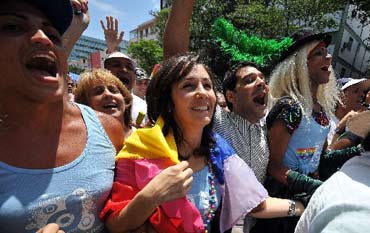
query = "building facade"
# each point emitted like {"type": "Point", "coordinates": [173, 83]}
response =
{"type": "Point", "coordinates": [165, 3]}
{"type": "Point", "coordinates": [81, 55]}
{"type": "Point", "coordinates": [350, 49]}
{"type": "Point", "coordinates": [145, 31]}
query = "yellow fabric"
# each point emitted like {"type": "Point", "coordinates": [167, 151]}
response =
{"type": "Point", "coordinates": [150, 143]}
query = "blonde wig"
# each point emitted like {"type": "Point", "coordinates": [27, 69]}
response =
{"type": "Point", "coordinates": [291, 78]}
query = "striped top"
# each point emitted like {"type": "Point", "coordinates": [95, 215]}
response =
{"type": "Point", "coordinates": [248, 140]}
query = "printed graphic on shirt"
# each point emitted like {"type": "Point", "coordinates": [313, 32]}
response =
{"type": "Point", "coordinates": [73, 213]}
{"type": "Point", "coordinates": [305, 153]}
{"type": "Point", "coordinates": [308, 159]}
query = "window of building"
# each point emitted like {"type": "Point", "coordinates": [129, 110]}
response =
{"type": "Point", "coordinates": [342, 72]}
{"type": "Point", "coordinates": [349, 44]}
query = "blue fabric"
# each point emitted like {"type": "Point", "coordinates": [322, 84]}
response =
{"type": "Point", "coordinates": [305, 146]}
{"type": "Point", "coordinates": [219, 153]}
{"type": "Point", "coordinates": [71, 195]}
{"type": "Point", "coordinates": [199, 193]}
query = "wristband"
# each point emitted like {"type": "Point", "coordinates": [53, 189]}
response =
{"type": "Point", "coordinates": [291, 210]}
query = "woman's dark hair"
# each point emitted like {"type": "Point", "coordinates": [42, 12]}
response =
{"type": "Point", "coordinates": [160, 102]}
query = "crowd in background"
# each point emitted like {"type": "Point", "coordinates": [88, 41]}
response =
{"type": "Point", "coordinates": [124, 151]}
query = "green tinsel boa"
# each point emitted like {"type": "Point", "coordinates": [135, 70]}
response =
{"type": "Point", "coordinates": [243, 47]}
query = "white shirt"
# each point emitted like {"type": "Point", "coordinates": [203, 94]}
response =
{"type": "Point", "coordinates": [343, 192]}
{"type": "Point", "coordinates": [138, 105]}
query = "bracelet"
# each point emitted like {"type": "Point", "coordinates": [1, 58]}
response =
{"type": "Point", "coordinates": [291, 210]}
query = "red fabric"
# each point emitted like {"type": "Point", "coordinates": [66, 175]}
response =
{"type": "Point", "coordinates": [162, 223]}
{"type": "Point", "coordinates": [122, 194]}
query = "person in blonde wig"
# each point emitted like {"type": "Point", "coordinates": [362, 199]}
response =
{"type": "Point", "coordinates": [304, 92]}
{"type": "Point", "coordinates": [291, 78]}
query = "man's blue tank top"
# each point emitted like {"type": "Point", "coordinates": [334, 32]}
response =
{"type": "Point", "coordinates": [71, 195]}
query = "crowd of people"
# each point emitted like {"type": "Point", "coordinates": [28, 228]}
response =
{"type": "Point", "coordinates": [124, 151]}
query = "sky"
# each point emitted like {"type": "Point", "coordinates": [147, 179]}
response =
{"type": "Point", "coordinates": [130, 14]}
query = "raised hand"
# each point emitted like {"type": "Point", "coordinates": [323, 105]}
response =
{"type": "Point", "coordinates": [111, 34]}
{"type": "Point", "coordinates": [172, 183]}
{"type": "Point", "coordinates": [80, 21]}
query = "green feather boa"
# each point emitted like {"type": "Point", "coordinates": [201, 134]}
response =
{"type": "Point", "coordinates": [242, 47]}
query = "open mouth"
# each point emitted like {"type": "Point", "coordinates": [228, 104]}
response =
{"type": "Point", "coordinates": [201, 108]}
{"type": "Point", "coordinates": [325, 68]}
{"type": "Point", "coordinates": [260, 99]}
{"type": "Point", "coordinates": [44, 64]}
{"type": "Point", "coordinates": [124, 80]}
{"type": "Point", "coordinates": [110, 106]}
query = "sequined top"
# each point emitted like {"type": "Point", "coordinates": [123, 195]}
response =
{"type": "Point", "coordinates": [289, 110]}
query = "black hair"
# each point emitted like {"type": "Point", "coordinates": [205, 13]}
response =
{"type": "Point", "coordinates": [160, 102]}
{"type": "Point", "coordinates": [230, 79]}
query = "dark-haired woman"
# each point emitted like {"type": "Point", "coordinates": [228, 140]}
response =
{"type": "Point", "coordinates": [172, 177]}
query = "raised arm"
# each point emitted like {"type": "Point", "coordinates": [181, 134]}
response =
{"type": "Point", "coordinates": [79, 23]}
{"type": "Point", "coordinates": [112, 38]}
{"type": "Point", "coordinates": [176, 34]}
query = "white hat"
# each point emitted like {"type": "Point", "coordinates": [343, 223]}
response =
{"type": "Point", "coordinates": [359, 124]}
{"type": "Point", "coordinates": [347, 82]}
{"type": "Point", "coordinates": [119, 55]}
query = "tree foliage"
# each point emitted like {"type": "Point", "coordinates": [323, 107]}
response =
{"type": "Point", "coordinates": [362, 9]}
{"type": "Point", "coordinates": [75, 69]}
{"type": "Point", "coordinates": [160, 19]}
{"type": "Point", "coordinates": [147, 53]}
{"type": "Point", "coordinates": [264, 18]}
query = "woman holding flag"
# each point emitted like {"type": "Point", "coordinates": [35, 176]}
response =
{"type": "Point", "coordinates": [174, 176]}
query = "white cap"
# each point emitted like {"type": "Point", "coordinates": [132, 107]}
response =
{"type": "Point", "coordinates": [347, 82]}
{"type": "Point", "coordinates": [119, 55]}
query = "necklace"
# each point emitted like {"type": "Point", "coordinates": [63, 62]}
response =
{"type": "Point", "coordinates": [212, 197]}
{"type": "Point", "coordinates": [320, 116]}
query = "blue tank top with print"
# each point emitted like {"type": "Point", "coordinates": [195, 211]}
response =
{"type": "Point", "coordinates": [305, 146]}
{"type": "Point", "coordinates": [71, 195]}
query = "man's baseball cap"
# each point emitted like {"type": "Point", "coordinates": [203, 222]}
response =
{"type": "Point", "coordinates": [141, 74]}
{"type": "Point", "coordinates": [347, 82]}
{"type": "Point", "coordinates": [59, 12]}
{"type": "Point", "coordinates": [119, 55]}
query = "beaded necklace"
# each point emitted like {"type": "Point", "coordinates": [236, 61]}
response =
{"type": "Point", "coordinates": [212, 197]}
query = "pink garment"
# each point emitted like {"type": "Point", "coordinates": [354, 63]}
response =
{"type": "Point", "coordinates": [137, 173]}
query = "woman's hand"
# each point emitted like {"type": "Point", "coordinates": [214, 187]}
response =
{"type": "Point", "coordinates": [172, 183]}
